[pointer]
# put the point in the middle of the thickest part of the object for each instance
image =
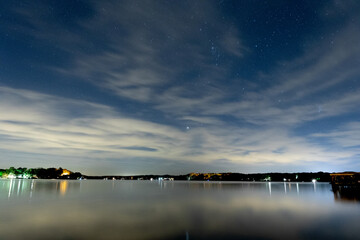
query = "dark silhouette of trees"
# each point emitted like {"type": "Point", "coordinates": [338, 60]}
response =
{"type": "Point", "coordinates": [48, 173]}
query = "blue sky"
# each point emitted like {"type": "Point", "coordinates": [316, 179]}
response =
{"type": "Point", "coordinates": [133, 87]}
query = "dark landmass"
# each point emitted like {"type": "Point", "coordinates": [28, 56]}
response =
{"type": "Point", "coordinates": [39, 173]}
{"type": "Point", "coordinates": [60, 173]}
{"type": "Point", "coordinates": [289, 177]}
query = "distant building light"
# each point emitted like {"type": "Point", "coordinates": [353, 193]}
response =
{"type": "Point", "coordinates": [11, 176]}
{"type": "Point", "coordinates": [267, 178]}
{"type": "Point", "coordinates": [314, 180]}
{"type": "Point", "coordinates": [65, 172]}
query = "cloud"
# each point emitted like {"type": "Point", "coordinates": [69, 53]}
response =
{"type": "Point", "coordinates": [201, 120]}
{"type": "Point", "coordinates": [124, 49]}
{"type": "Point", "coordinates": [46, 122]}
{"type": "Point", "coordinates": [147, 149]}
{"type": "Point", "coordinates": [232, 44]}
{"type": "Point", "coordinates": [346, 136]}
{"type": "Point", "coordinates": [100, 132]}
{"type": "Point", "coordinates": [317, 85]}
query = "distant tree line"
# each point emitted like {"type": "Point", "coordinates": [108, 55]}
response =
{"type": "Point", "coordinates": [276, 177]}
{"type": "Point", "coordinates": [60, 173]}
{"type": "Point", "coordinates": [43, 173]}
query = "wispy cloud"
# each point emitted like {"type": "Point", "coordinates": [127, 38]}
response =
{"type": "Point", "coordinates": [346, 136]}
{"type": "Point", "coordinates": [45, 126]}
{"type": "Point", "coordinates": [100, 132]}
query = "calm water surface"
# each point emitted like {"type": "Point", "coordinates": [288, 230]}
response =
{"type": "Point", "coordinates": [97, 209]}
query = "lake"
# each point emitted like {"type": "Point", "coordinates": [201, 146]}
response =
{"type": "Point", "coordinates": [100, 209]}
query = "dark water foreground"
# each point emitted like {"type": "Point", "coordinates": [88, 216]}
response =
{"type": "Point", "coordinates": [97, 209]}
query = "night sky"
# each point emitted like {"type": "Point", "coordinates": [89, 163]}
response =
{"type": "Point", "coordinates": [141, 87]}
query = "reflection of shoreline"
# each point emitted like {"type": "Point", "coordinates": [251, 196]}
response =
{"type": "Point", "coordinates": [23, 187]}
{"type": "Point", "coordinates": [346, 193]}
{"type": "Point", "coordinates": [196, 210]}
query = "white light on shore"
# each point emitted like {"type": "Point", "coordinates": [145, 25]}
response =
{"type": "Point", "coordinates": [11, 176]}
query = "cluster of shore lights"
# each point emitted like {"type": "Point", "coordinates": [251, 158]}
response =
{"type": "Point", "coordinates": [314, 180]}
{"type": "Point", "coordinates": [13, 176]}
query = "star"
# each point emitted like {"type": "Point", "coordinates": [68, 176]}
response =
{"type": "Point", "coordinates": [319, 108]}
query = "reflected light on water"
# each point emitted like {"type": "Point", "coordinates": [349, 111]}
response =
{"type": "Point", "coordinates": [173, 210]}
{"type": "Point", "coordinates": [63, 187]}
{"type": "Point", "coordinates": [297, 188]}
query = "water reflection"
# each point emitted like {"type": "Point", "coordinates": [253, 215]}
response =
{"type": "Point", "coordinates": [63, 187]}
{"type": "Point", "coordinates": [346, 194]}
{"type": "Point", "coordinates": [173, 210]}
{"type": "Point", "coordinates": [16, 188]}
{"type": "Point", "coordinates": [297, 188]}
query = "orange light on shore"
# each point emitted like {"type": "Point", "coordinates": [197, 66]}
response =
{"type": "Point", "coordinates": [65, 172]}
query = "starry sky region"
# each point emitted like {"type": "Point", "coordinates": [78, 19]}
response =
{"type": "Point", "coordinates": [154, 87]}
